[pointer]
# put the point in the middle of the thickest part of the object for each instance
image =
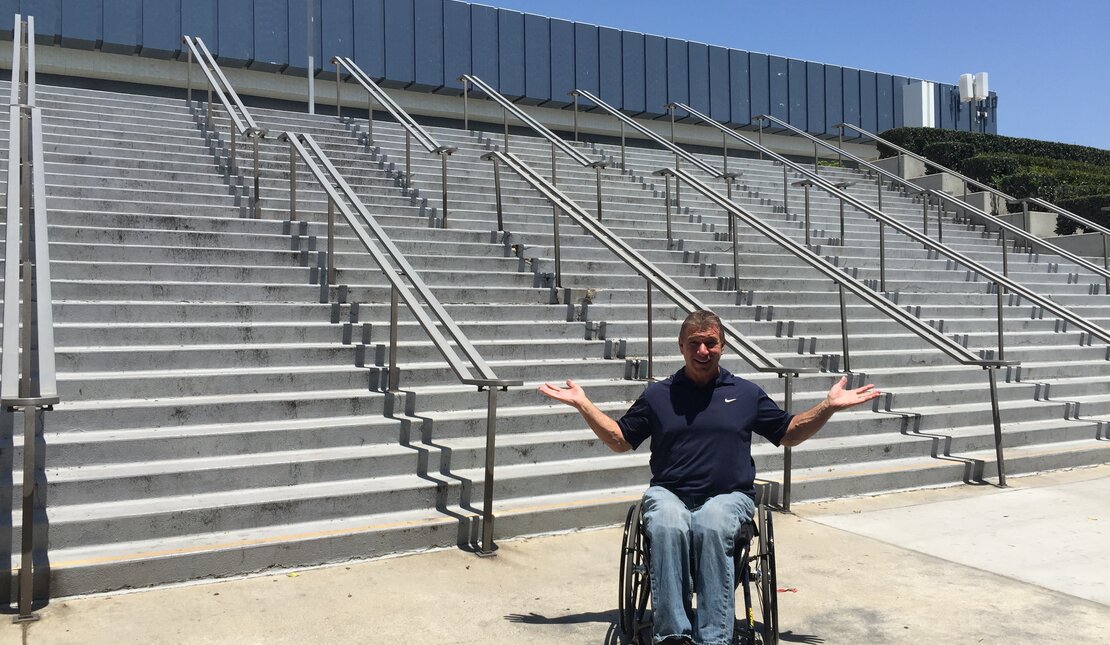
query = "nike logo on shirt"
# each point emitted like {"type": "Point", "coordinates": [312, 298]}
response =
{"type": "Point", "coordinates": [729, 400]}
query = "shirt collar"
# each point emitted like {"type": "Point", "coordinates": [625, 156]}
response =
{"type": "Point", "coordinates": [724, 377]}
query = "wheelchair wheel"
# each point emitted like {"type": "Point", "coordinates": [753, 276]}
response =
{"type": "Point", "coordinates": [768, 579]}
{"type": "Point", "coordinates": [635, 588]}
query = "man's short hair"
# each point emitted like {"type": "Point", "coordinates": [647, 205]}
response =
{"type": "Point", "coordinates": [701, 319]}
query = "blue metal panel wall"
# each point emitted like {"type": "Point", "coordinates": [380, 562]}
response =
{"type": "Point", "coordinates": [200, 21]}
{"type": "Point", "coordinates": [337, 30]}
{"type": "Point", "coordinates": [48, 19]}
{"type": "Point", "coordinates": [992, 114]}
{"type": "Point", "coordinates": [719, 107]}
{"type": "Point", "coordinates": [298, 38]}
{"type": "Point", "coordinates": [483, 43]}
{"type": "Point", "coordinates": [815, 96]}
{"type": "Point", "coordinates": [123, 24]}
{"type": "Point", "coordinates": [562, 62]}
{"type": "Point", "coordinates": [634, 99]}
{"type": "Point", "coordinates": [456, 44]}
{"type": "Point", "coordinates": [235, 27]}
{"type": "Point", "coordinates": [510, 64]}
{"type": "Point", "coordinates": [162, 28]}
{"type": "Point", "coordinates": [798, 101]}
{"type": "Point", "coordinates": [900, 83]}
{"type": "Point", "coordinates": [884, 98]}
{"type": "Point", "coordinates": [678, 71]}
{"type": "Point", "coordinates": [779, 71]}
{"type": "Point", "coordinates": [537, 59]}
{"type": "Point", "coordinates": [8, 8]}
{"type": "Point", "coordinates": [81, 24]}
{"type": "Point", "coordinates": [400, 44]}
{"type": "Point", "coordinates": [869, 118]}
{"type": "Point", "coordinates": [851, 95]}
{"type": "Point", "coordinates": [655, 76]}
{"type": "Point", "coordinates": [739, 82]}
{"type": "Point", "coordinates": [428, 42]}
{"type": "Point", "coordinates": [586, 63]}
{"type": "Point", "coordinates": [759, 67]}
{"type": "Point", "coordinates": [271, 36]}
{"type": "Point", "coordinates": [699, 76]}
{"type": "Point", "coordinates": [610, 72]}
{"type": "Point", "coordinates": [834, 98]}
{"type": "Point", "coordinates": [967, 117]}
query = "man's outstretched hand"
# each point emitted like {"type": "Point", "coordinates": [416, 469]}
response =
{"type": "Point", "coordinates": [840, 398]}
{"type": "Point", "coordinates": [572, 394]}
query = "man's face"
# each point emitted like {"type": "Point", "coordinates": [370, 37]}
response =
{"type": "Point", "coordinates": [702, 350]}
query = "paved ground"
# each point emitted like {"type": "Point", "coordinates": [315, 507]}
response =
{"type": "Point", "coordinates": [1027, 564]}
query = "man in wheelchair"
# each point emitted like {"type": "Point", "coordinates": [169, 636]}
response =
{"type": "Point", "coordinates": [700, 421]}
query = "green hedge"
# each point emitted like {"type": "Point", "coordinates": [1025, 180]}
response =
{"type": "Point", "coordinates": [916, 139]}
{"type": "Point", "coordinates": [1088, 206]}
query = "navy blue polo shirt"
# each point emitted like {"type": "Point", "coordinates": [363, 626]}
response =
{"type": "Point", "coordinates": [701, 437]}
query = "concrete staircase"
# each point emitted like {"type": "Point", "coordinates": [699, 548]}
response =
{"type": "Point", "coordinates": [223, 410]}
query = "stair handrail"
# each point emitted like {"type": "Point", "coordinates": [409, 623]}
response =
{"type": "Point", "coordinates": [417, 302]}
{"type": "Point", "coordinates": [986, 187]}
{"type": "Point", "coordinates": [413, 130]}
{"type": "Point", "coordinates": [557, 142]}
{"type": "Point", "coordinates": [749, 352]}
{"type": "Point", "coordinates": [28, 377]}
{"type": "Point", "coordinates": [242, 123]}
{"type": "Point", "coordinates": [926, 332]}
{"type": "Point", "coordinates": [655, 277]}
{"type": "Point", "coordinates": [1003, 283]}
{"type": "Point", "coordinates": [952, 200]}
{"type": "Point", "coordinates": [624, 120]}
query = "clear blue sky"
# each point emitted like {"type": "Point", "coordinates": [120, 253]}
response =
{"type": "Point", "coordinates": [1036, 52]}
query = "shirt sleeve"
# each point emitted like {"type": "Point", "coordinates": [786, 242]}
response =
{"type": "Point", "coordinates": [636, 424]}
{"type": "Point", "coordinates": [771, 421]}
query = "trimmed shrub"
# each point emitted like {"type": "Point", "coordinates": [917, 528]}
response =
{"type": "Point", "coordinates": [948, 153]}
{"type": "Point", "coordinates": [989, 169]}
{"type": "Point", "coordinates": [915, 140]}
{"type": "Point", "coordinates": [1089, 207]}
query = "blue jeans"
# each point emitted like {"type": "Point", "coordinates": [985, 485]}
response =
{"type": "Point", "coordinates": [692, 545]}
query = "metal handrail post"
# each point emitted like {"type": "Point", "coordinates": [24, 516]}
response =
{"type": "Point", "coordinates": [466, 106]}
{"type": "Point", "coordinates": [816, 166]}
{"type": "Point", "coordinates": [208, 106]}
{"type": "Point", "coordinates": [667, 201]}
{"type": "Point", "coordinates": [940, 222]}
{"type": "Point", "coordinates": [554, 166]}
{"type": "Point", "coordinates": [497, 195]}
{"type": "Point", "coordinates": [597, 177]}
{"type": "Point", "coordinates": [733, 234]}
{"type": "Point", "coordinates": [925, 216]}
{"type": "Point", "coordinates": [787, 457]}
{"type": "Point", "coordinates": [806, 189]}
{"type": "Point", "coordinates": [882, 257]}
{"type": "Point", "coordinates": [1106, 260]}
{"type": "Point", "coordinates": [879, 191]}
{"type": "Point", "coordinates": [555, 212]}
{"type": "Point", "coordinates": [760, 140]}
{"type": "Point", "coordinates": [997, 419]}
{"type": "Point", "coordinates": [624, 168]}
{"type": "Point", "coordinates": [650, 336]}
{"type": "Point", "coordinates": [488, 547]}
{"type": "Point", "coordinates": [27, 539]}
{"type": "Point", "coordinates": [394, 373]}
{"type": "Point", "coordinates": [331, 241]}
{"type": "Point", "coordinates": [408, 160]}
{"type": "Point", "coordinates": [369, 120]}
{"type": "Point", "coordinates": [1001, 346]}
{"type": "Point", "coordinates": [844, 329]}
{"type": "Point", "coordinates": [506, 130]}
{"type": "Point", "coordinates": [677, 187]}
{"type": "Point", "coordinates": [1005, 253]}
{"type": "Point", "coordinates": [234, 153]}
{"type": "Point", "coordinates": [338, 92]}
{"type": "Point", "coordinates": [724, 152]}
{"type": "Point", "coordinates": [292, 183]}
{"type": "Point", "coordinates": [257, 182]}
{"type": "Point", "coordinates": [189, 77]}
{"type": "Point", "coordinates": [785, 189]}
{"type": "Point", "coordinates": [443, 155]}
{"type": "Point", "coordinates": [575, 116]}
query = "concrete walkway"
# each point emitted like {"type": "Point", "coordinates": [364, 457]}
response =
{"type": "Point", "coordinates": [1026, 564]}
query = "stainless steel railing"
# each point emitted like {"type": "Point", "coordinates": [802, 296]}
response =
{"type": "Point", "coordinates": [957, 204]}
{"type": "Point", "coordinates": [1002, 284]}
{"type": "Point", "coordinates": [28, 382]}
{"type": "Point", "coordinates": [415, 294]}
{"type": "Point", "coordinates": [413, 130]}
{"type": "Point", "coordinates": [938, 340]}
{"type": "Point", "coordinates": [655, 278]}
{"type": "Point", "coordinates": [556, 141]}
{"type": "Point", "coordinates": [242, 124]}
{"type": "Point", "coordinates": [679, 154]}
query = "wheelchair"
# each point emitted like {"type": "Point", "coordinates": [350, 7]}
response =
{"type": "Point", "coordinates": [755, 566]}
